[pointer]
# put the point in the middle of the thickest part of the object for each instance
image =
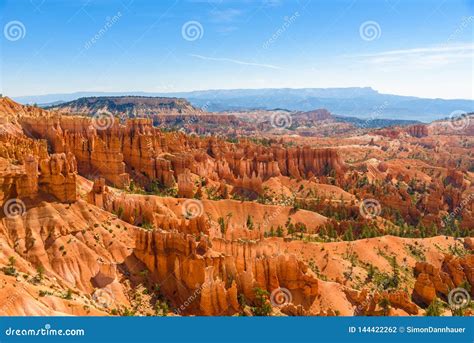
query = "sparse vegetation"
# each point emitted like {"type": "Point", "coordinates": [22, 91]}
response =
{"type": "Point", "coordinates": [10, 269]}
{"type": "Point", "coordinates": [68, 295]}
{"type": "Point", "coordinates": [262, 303]}
{"type": "Point", "coordinates": [434, 309]}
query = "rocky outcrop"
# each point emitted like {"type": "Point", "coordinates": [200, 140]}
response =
{"type": "Point", "coordinates": [58, 176]}
{"type": "Point", "coordinates": [417, 130]}
{"type": "Point", "coordinates": [454, 177]}
{"type": "Point", "coordinates": [98, 194]}
{"type": "Point", "coordinates": [312, 116]}
{"type": "Point", "coordinates": [26, 168]}
{"type": "Point", "coordinates": [211, 258]}
{"type": "Point", "coordinates": [432, 282]}
{"type": "Point", "coordinates": [11, 111]}
{"type": "Point", "coordinates": [182, 265]}
{"type": "Point", "coordinates": [139, 150]}
{"type": "Point", "coordinates": [373, 304]}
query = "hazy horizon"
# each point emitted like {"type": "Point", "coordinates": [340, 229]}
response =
{"type": "Point", "coordinates": [216, 89]}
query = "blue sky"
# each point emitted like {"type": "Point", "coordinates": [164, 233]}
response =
{"type": "Point", "coordinates": [408, 47]}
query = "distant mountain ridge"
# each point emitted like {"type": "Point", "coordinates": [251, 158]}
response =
{"type": "Point", "coordinates": [361, 102]}
{"type": "Point", "coordinates": [131, 106]}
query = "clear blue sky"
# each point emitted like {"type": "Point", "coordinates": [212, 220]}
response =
{"type": "Point", "coordinates": [421, 48]}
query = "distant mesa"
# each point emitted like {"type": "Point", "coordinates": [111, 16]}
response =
{"type": "Point", "coordinates": [132, 106]}
{"type": "Point", "coordinates": [319, 114]}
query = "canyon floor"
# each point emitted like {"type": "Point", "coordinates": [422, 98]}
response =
{"type": "Point", "coordinates": [185, 212]}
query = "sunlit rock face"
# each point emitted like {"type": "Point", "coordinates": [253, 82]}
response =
{"type": "Point", "coordinates": [109, 217]}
